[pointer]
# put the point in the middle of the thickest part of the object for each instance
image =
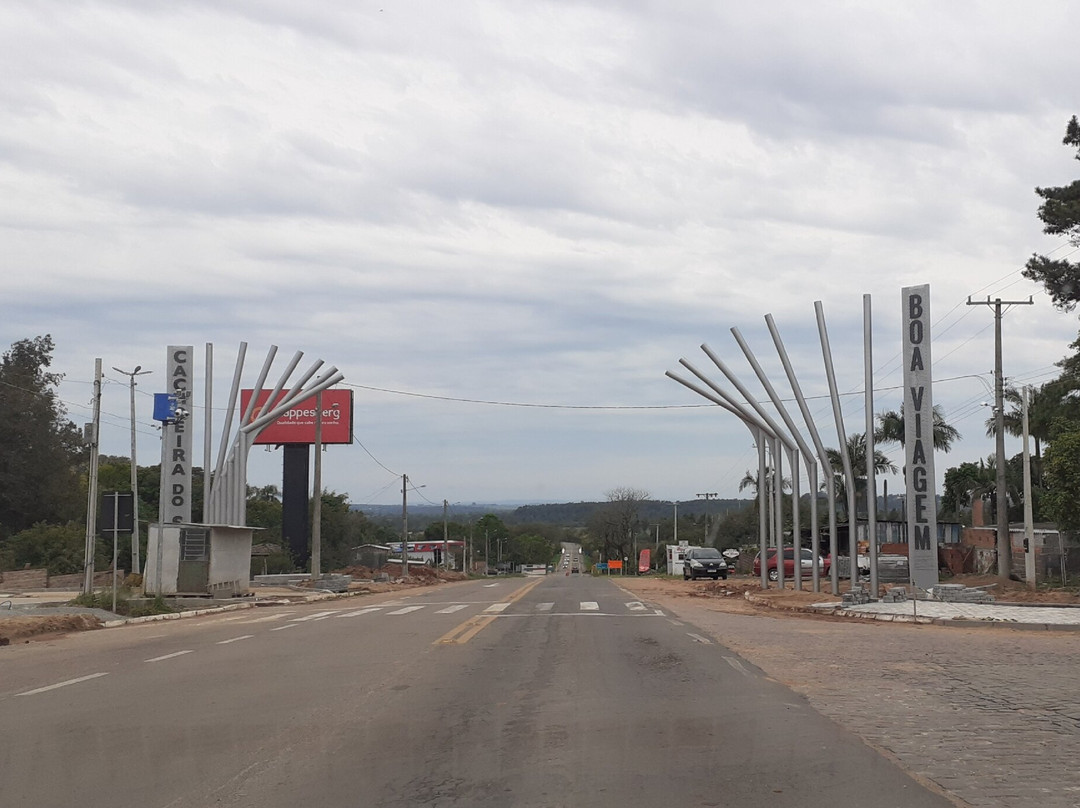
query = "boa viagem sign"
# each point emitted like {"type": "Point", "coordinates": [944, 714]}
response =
{"type": "Point", "coordinates": [297, 425]}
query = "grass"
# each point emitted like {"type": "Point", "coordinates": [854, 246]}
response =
{"type": "Point", "coordinates": [103, 599]}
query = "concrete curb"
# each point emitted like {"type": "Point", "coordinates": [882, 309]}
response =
{"type": "Point", "coordinates": [951, 622]}
{"type": "Point", "coordinates": [315, 597]}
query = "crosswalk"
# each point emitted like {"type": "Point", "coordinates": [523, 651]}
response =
{"type": "Point", "coordinates": [498, 609]}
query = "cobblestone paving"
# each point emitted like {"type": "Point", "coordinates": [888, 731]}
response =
{"type": "Point", "coordinates": [990, 715]}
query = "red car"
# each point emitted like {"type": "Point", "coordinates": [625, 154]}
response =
{"type": "Point", "coordinates": [789, 564]}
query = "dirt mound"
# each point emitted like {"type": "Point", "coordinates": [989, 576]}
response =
{"type": "Point", "coordinates": [20, 629]}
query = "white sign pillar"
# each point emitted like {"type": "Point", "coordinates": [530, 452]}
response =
{"type": "Point", "coordinates": [921, 500]}
{"type": "Point", "coordinates": [176, 438]}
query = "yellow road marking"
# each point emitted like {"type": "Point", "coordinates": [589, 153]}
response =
{"type": "Point", "coordinates": [459, 635]}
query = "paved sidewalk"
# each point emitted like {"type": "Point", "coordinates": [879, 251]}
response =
{"type": "Point", "coordinates": [1063, 617]}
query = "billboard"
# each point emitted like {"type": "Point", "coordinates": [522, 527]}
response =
{"type": "Point", "coordinates": [297, 425]}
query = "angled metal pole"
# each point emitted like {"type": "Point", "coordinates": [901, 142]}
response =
{"type": "Point", "coordinates": [759, 430]}
{"type": "Point", "coordinates": [823, 456]}
{"type": "Point", "coordinates": [808, 455]}
{"type": "Point", "coordinates": [841, 435]}
{"type": "Point", "coordinates": [789, 445]}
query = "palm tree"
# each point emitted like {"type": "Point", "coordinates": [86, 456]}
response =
{"type": "Point", "coordinates": [750, 481]}
{"type": "Point", "coordinates": [891, 429]}
{"type": "Point", "coordinates": [856, 451]}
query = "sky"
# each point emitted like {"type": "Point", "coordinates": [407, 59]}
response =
{"type": "Point", "coordinates": [505, 221]}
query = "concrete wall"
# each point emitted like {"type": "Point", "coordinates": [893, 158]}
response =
{"type": "Point", "coordinates": [230, 556]}
{"type": "Point", "coordinates": [169, 537]}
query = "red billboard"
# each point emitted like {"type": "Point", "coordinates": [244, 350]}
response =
{"type": "Point", "coordinates": [297, 424]}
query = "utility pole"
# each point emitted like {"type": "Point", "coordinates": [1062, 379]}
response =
{"type": "Point", "coordinates": [707, 496]}
{"type": "Point", "coordinates": [404, 525]}
{"type": "Point", "coordinates": [445, 544]}
{"type": "Point", "coordinates": [91, 439]}
{"type": "Point", "coordinates": [1004, 547]}
{"type": "Point", "coordinates": [136, 566]}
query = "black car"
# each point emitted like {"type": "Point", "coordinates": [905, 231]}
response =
{"type": "Point", "coordinates": [701, 561]}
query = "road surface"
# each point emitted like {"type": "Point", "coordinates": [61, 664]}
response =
{"type": "Point", "coordinates": [556, 691]}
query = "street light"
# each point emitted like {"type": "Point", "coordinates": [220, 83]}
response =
{"type": "Point", "coordinates": [136, 567]}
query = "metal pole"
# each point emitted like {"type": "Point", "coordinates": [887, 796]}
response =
{"type": "Point", "coordinates": [445, 537]}
{"type": "Point", "coordinates": [778, 509]}
{"type": "Point", "coordinates": [316, 505]}
{"type": "Point", "coordinates": [136, 565]}
{"type": "Point", "coordinates": [808, 458]}
{"type": "Point", "coordinates": [763, 528]}
{"type": "Point", "coordinates": [208, 429]}
{"type": "Point", "coordinates": [841, 436]}
{"type": "Point", "coordinates": [91, 505]}
{"type": "Point", "coordinates": [1029, 528]}
{"type": "Point", "coordinates": [115, 544]}
{"type": "Point", "coordinates": [823, 457]}
{"type": "Point", "coordinates": [871, 476]}
{"type": "Point", "coordinates": [404, 526]}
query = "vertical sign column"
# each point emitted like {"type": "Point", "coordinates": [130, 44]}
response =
{"type": "Point", "coordinates": [921, 497]}
{"type": "Point", "coordinates": [176, 438]}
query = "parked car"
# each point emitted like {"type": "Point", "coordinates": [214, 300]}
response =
{"type": "Point", "coordinates": [789, 564]}
{"type": "Point", "coordinates": [701, 561]}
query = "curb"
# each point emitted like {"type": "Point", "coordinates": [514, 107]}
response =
{"type": "Point", "coordinates": [951, 622]}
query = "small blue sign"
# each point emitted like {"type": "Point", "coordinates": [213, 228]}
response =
{"type": "Point", "coordinates": [165, 406]}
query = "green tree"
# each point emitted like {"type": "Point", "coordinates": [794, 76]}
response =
{"type": "Point", "coordinates": [856, 450]}
{"type": "Point", "coordinates": [891, 429]}
{"type": "Point", "coordinates": [1062, 499]}
{"type": "Point", "coordinates": [58, 548]}
{"type": "Point", "coordinates": [42, 452]}
{"type": "Point", "coordinates": [964, 484]}
{"type": "Point", "coordinates": [1060, 214]}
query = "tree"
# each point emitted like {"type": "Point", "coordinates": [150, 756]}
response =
{"type": "Point", "coordinates": [42, 450]}
{"type": "Point", "coordinates": [1062, 499]}
{"type": "Point", "coordinates": [966, 483]}
{"type": "Point", "coordinates": [1060, 214]}
{"type": "Point", "coordinates": [611, 528]}
{"type": "Point", "coordinates": [856, 450]}
{"type": "Point", "coordinates": [891, 429]}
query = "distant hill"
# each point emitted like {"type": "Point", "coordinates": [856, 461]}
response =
{"type": "Point", "coordinates": [566, 514]}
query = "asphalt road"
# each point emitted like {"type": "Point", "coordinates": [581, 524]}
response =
{"type": "Point", "coordinates": [559, 691]}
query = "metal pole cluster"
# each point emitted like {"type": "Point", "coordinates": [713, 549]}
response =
{"type": "Point", "coordinates": [773, 440]}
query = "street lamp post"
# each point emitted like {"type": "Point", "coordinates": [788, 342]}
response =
{"type": "Point", "coordinates": [136, 567]}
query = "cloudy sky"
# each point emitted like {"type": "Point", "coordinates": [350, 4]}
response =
{"type": "Point", "coordinates": [505, 221]}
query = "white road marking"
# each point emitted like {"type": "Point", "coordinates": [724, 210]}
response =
{"type": "Point", "coordinates": [287, 625]}
{"type": "Point", "coordinates": [544, 607]}
{"type": "Point", "coordinates": [737, 665]}
{"type": "Point", "coordinates": [658, 613]}
{"type": "Point", "coordinates": [236, 639]}
{"type": "Point", "coordinates": [589, 606]}
{"type": "Point", "coordinates": [315, 616]}
{"type": "Point", "coordinates": [457, 607]}
{"type": "Point", "coordinates": [699, 638]}
{"type": "Point", "coordinates": [268, 618]}
{"type": "Point", "coordinates": [407, 609]}
{"type": "Point", "coordinates": [359, 612]}
{"type": "Point", "coordinates": [488, 586]}
{"type": "Point", "coordinates": [497, 607]}
{"type": "Point", "coordinates": [635, 606]}
{"type": "Point", "coordinates": [62, 684]}
{"type": "Point", "coordinates": [168, 656]}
